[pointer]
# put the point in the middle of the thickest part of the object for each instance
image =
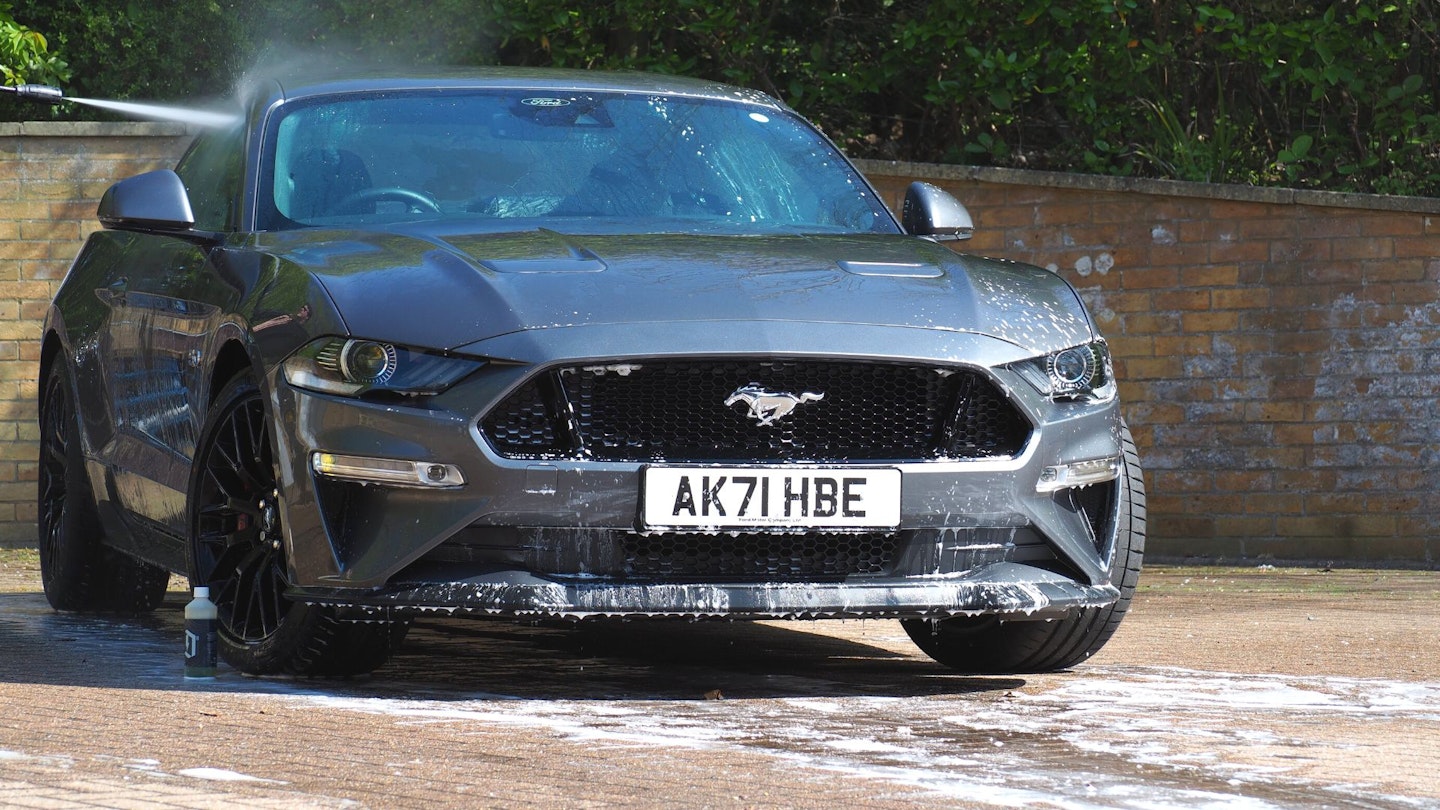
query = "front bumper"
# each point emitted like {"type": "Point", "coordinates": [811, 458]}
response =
{"type": "Point", "coordinates": [1008, 590]}
{"type": "Point", "coordinates": [968, 528]}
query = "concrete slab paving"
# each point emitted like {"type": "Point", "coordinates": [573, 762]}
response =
{"type": "Point", "coordinates": [1250, 688]}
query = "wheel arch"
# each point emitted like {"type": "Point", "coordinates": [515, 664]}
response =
{"type": "Point", "coordinates": [50, 348]}
{"type": "Point", "coordinates": [231, 360]}
{"type": "Point", "coordinates": [53, 360]}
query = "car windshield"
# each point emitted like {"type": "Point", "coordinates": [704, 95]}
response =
{"type": "Point", "coordinates": [579, 161]}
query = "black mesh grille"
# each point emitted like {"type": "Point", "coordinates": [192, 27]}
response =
{"type": "Point", "coordinates": [757, 557]}
{"type": "Point", "coordinates": [985, 424]}
{"type": "Point", "coordinates": [676, 411]}
{"type": "Point", "coordinates": [526, 423]}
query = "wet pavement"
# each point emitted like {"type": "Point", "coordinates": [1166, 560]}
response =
{"type": "Point", "coordinates": [1251, 688]}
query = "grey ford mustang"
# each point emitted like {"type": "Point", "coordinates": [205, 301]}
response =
{"type": "Point", "coordinates": [567, 346]}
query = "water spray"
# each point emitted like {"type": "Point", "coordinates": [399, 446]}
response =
{"type": "Point", "coordinates": [46, 94]}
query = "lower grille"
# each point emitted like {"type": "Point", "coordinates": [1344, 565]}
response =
{"type": "Point", "coordinates": [618, 557]}
{"type": "Point", "coordinates": [682, 410]}
{"type": "Point", "coordinates": [1097, 503]}
{"type": "Point", "coordinates": [757, 557]}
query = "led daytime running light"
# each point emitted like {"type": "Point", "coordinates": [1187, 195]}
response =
{"type": "Point", "coordinates": [394, 472]}
{"type": "Point", "coordinates": [1078, 474]}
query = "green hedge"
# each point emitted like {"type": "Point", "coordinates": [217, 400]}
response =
{"type": "Point", "coordinates": [1337, 95]}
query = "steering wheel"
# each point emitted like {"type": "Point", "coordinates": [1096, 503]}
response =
{"type": "Point", "coordinates": [415, 201]}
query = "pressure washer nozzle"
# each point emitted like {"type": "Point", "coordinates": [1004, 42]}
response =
{"type": "Point", "coordinates": [37, 92]}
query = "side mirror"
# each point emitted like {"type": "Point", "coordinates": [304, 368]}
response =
{"type": "Point", "coordinates": [931, 211]}
{"type": "Point", "coordinates": [153, 201]}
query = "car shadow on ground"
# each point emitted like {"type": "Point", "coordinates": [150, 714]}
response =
{"type": "Point", "coordinates": [461, 659]}
{"type": "Point", "coordinates": [668, 660]}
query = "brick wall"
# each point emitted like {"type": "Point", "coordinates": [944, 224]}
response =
{"type": "Point", "coordinates": [51, 177]}
{"type": "Point", "coordinates": [1279, 351]}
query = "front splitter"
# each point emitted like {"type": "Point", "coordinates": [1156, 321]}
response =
{"type": "Point", "coordinates": [1008, 590]}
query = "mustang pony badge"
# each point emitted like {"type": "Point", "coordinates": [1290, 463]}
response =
{"type": "Point", "coordinates": [766, 406]}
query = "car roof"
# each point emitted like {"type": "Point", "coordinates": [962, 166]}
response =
{"type": "Point", "coordinates": [291, 86]}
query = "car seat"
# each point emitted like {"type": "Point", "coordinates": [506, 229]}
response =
{"type": "Point", "coordinates": [321, 178]}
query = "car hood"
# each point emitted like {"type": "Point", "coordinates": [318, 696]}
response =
{"type": "Point", "coordinates": [446, 290]}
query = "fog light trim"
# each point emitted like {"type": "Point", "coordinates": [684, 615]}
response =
{"type": "Point", "coordinates": [387, 471]}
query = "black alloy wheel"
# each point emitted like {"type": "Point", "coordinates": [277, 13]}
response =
{"type": "Point", "coordinates": [238, 541]}
{"type": "Point", "coordinates": [239, 552]}
{"type": "Point", "coordinates": [988, 645]}
{"type": "Point", "coordinates": [77, 571]}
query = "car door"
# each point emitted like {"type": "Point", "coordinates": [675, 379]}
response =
{"type": "Point", "coordinates": [166, 300]}
{"type": "Point", "coordinates": [154, 351]}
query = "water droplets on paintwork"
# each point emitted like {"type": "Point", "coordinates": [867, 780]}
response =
{"type": "Point", "coordinates": [1035, 317]}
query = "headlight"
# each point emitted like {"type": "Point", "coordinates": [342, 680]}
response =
{"type": "Point", "coordinates": [1079, 373]}
{"type": "Point", "coordinates": [351, 367]}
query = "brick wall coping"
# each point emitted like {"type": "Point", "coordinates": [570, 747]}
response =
{"type": "Point", "coordinates": [92, 129]}
{"type": "Point", "coordinates": [1136, 185]}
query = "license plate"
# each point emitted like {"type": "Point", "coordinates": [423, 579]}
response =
{"type": "Point", "coordinates": [770, 497]}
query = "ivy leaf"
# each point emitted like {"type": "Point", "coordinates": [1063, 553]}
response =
{"type": "Point", "coordinates": [1299, 149]}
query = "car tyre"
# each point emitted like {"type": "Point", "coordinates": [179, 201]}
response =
{"type": "Point", "coordinates": [238, 550]}
{"type": "Point", "coordinates": [77, 571]}
{"type": "Point", "coordinates": [989, 645]}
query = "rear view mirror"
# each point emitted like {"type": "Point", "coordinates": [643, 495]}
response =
{"type": "Point", "coordinates": [931, 211]}
{"type": "Point", "coordinates": [507, 127]}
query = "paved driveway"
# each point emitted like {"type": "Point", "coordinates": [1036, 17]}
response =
{"type": "Point", "coordinates": [1250, 688]}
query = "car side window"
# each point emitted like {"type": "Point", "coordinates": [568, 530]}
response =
{"type": "Point", "coordinates": [212, 170]}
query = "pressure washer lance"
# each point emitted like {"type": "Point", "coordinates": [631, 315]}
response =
{"type": "Point", "coordinates": [36, 92]}
{"type": "Point", "coordinates": [200, 651]}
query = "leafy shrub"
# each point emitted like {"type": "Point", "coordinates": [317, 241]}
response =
{"type": "Point", "coordinates": [1338, 95]}
{"type": "Point", "coordinates": [25, 56]}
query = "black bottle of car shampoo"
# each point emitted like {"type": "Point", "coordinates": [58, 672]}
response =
{"type": "Point", "coordinates": [200, 617]}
